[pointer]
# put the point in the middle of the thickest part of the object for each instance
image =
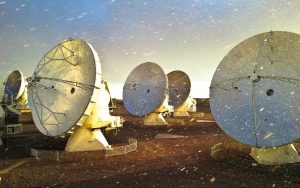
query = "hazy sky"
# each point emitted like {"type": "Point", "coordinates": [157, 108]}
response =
{"type": "Point", "coordinates": [190, 35]}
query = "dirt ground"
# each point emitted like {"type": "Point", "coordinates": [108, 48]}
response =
{"type": "Point", "coordinates": [172, 162]}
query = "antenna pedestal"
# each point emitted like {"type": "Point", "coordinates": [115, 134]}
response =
{"type": "Point", "coordinates": [277, 155]}
{"type": "Point", "coordinates": [188, 106]}
{"type": "Point", "coordinates": [89, 136]}
{"type": "Point", "coordinates": [86, 139]}
{"type": "Point", "coordinates": [156, 117]}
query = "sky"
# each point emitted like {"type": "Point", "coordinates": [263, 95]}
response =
{"type": "Point", "coordinates": [190, 35]}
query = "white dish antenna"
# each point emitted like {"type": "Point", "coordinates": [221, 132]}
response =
{"type": "Point", "coordinates": [15, 88]}
{"type": "Point", "coordinates": [254, 93]}
{"type": "Point", "coordinates": [145, 92]}
{"type": "Point", "coordinates": [179, 93]}
{"type": "Point", "coordinates": [65, 90]}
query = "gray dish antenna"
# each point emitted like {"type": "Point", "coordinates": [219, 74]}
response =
{"type": "Point", "coordinates": [145, 92]}
{"type": "Point", "coordinates": [179, 87]}
{"type": "Point", "coordinates": [65, 90]}
{"type": "Point", "coordinates": [179, 93]}
{"type": "Point", "coordinates": [254, 93]}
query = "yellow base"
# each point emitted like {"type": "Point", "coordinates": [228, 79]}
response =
{"type": "Point", "coordinates": [155, 119]}
{"type": "Point", "coordinates": [182, 110]}
{"type": "Point", "coordinates": [188, 106]}
{"type": "Point", "coordinates": [277, 155]}
{"type": "Point", "coordinates": [85, 139]}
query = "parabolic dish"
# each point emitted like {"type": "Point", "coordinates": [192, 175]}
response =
{"type": "Point", "coordinates": [63, 89]}
{"type": "Point", "coordinates": [255, 91]}
{"type": "Point", "coordinates": [14, 85]}
{"type": "Point", "coordinates": [145, 89]}
{"type": "Point", "coordinates": [179, 87]}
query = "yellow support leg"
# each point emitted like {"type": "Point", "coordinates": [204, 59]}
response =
{"type": "Point", "coordinates": [277, 155]}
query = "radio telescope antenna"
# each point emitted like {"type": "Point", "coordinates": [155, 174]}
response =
{"type": "Point", "coordinates": [145, 93]}
{"type": "Point", "coordinates": [179, 91]}
{"type": "Point", "coordinates": [65, 93]}
{"type": "Point", "coordinates": [15, 89]}
{"type": "Point", "coordinates": [14, 101]}
{"type": "Point", "coordinates": [254, 95]}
